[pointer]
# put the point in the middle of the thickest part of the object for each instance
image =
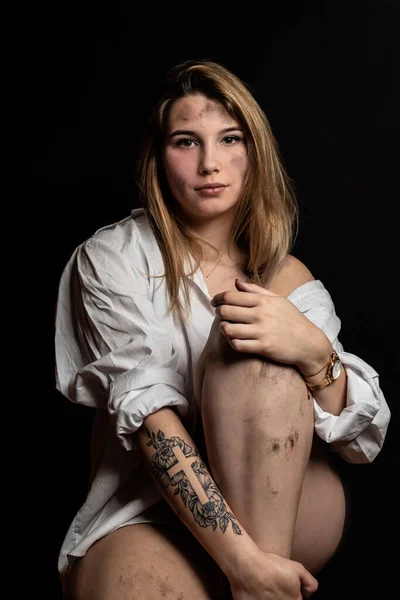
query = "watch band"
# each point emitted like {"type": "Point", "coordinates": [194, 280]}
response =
{"type": "Point", "coordinates": [328, 379]}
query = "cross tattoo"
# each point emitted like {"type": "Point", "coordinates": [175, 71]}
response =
{"type": "Point", "coordinates": [190, 474]}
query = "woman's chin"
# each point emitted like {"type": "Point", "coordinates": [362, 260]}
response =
{"type": "Point", "coordinates": [213, 209]}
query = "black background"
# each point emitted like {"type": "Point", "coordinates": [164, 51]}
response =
{"type": "Point", "coordinates": [325, 73]}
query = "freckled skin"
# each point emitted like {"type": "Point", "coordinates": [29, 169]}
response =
{"type": "Point", "coordinates": [210, 156]}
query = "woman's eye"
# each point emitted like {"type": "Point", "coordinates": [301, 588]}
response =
{"type": "Point", "coordinates": [185, 143]}
{"type": "Point", "coordinates": [231, 139]}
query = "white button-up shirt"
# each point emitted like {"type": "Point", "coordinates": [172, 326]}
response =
{"type": "Point", "coordinates": [120, 350]}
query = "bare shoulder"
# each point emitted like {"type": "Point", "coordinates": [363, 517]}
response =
{"type": "Point", "coordinates": [292, 274]}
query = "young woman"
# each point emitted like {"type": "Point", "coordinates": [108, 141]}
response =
{"type": "Point", "coordinates": [211, 355]}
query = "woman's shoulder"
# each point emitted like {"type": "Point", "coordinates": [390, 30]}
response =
{"type": "Point", "coordinates": [127, 237]}
{"type": "Point", "coordinates": [118, 235]}
{"type": "Point", "coordinates": [292, 275]}
{"type": "Point", "coordinates": [129, 241]}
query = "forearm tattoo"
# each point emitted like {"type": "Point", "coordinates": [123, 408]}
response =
{"type": "Point", "coordinates": [177, 464]}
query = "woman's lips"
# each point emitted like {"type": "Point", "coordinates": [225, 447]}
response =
{"type": "Point", "coordinates": [211, 190]}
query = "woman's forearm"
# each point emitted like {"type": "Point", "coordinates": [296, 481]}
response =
{"type": "Point", "coordinates": [190, 490]}
{"type": "Point", "coordinates": [331, 398]}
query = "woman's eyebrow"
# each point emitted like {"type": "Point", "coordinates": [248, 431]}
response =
{"type": "Point", "coordinates": [188, 132]}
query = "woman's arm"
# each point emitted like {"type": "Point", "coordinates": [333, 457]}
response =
{"type": "Point", "coordinates": [352, 414]}
{"type": "Point", "coordinates": [332, 398]}
{"type": "Point", "coordinates": [190, 490]}
{"type": "Point", "coordinates": [187, 485]}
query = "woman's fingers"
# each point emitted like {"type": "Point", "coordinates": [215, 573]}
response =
{"type": "Point", "coordinates": [248, 295]}
{"type": "Point", "coordinates": [239, 331]}
{"type": "Point", "coordinates": [236, 299]}
{"type": "Point", "coordinates": [253, 287]}
{"type": "Point", "coordinates": [246, 346]}
{"type": "Point", "coordinates": [236, 314]}
{"type": "Point", "coordinates": [309, 584]}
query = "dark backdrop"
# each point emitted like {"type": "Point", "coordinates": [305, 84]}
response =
{"type": "Point", "coordinates": [325, 74]}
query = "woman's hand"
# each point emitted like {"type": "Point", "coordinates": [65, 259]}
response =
{"type": "Point", "coordinates": [257, 321]}
{"type": "Point", "coordinates": [271, 577]}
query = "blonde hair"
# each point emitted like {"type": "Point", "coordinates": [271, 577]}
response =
{"type": "Point", "coordinates": [266, 219]}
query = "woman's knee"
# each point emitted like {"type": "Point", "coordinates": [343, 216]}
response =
{"type": "Point", "coordinates": [253, 370]}
{"type": "Point", "coordinates": [256, 391]}
{"type": "Point", "coordinates": [263, 371]}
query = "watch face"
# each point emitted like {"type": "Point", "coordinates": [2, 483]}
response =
{"type": "Point", "coordinates": [336, 369]}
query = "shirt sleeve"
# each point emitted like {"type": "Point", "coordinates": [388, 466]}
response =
{"type": "Point", "coordinates": [111, 351]}
{"type": "Point", "coordinates": [358, 433]}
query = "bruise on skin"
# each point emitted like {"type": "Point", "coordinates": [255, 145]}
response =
{"type": "Point", "coordinates": [180, 184]}
{"type": "Point", "coordinates": [186, 112]}
{"type": "Point", "coordinates": [238, 159]}
{"type": "Point", "coordinates": [275, 373]}
{"type": "Point", "coordinates": [129, 579]}
{"type": "Point", "coordinates": [213, 106]}
{"type": "Point", "coordinates": [301, 405]}
{"type": "Point", "coordinates": [275, 445]}
{"type": "Point", "coordinates": [291, 441]}
{"type": "Point", "coordinates": [258, 414]}
{"type": "Point", "coordinates": [264, 368]}
{"type": "Point", "coordinates": [165, 587]}
{"type": "Point", "coordinates": [302, 402]}
{"type": "Point", "coordinates": [271, 489]}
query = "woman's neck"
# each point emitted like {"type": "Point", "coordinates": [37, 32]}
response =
{"type": "Point", "coordinates": [214, 239]}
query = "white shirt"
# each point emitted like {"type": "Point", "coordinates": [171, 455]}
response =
{"type": "Point", "coordinates": [120, 350]}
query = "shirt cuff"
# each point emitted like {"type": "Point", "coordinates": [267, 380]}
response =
{"type": "Point", "coordinates": [140, 392]}
{"type": "Point", "coordinates": [359, 431]}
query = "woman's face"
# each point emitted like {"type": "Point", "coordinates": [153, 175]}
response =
{"type": "Point", "coordinates": [205, 157]}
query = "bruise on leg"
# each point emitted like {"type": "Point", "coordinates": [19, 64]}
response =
{"type": "Point", "coordinates": [275, 372]}
{"type": "Point", "coordinates": [286, 443]}
{"type": "Point", "coordinates": [130, 579]}
{"type": "Point", "coordinates": [275, 445]}
{"type": "Point", "coordinates": [301, 404]}
{"type": "Point", "coordinates": [291, 442]}
{"type": "Point", "coordinates": [271, 370]}
{"type": "Point", "coordinates": [257, 415]}
{"type": "Point", "coordinates": [165, 588]}
{"type": "Point", "coordinates": [273, 491]}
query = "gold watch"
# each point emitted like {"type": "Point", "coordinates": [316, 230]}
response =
{"type": "Point", "coordinates": [334, 368]}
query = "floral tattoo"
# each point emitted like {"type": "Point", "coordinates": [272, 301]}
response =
{"type": "Point", "coordinates": [174, 463]}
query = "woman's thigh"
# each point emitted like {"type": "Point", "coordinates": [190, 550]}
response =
{"type": "Point", "coordinates": [146, 562]}
{"type": "Point", "coordinates": [321, 515]}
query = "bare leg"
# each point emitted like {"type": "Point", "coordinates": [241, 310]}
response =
{"type": "Point", "coordinates": [146, 562]}
{"type": "Point", "coordinates": [258, 428]}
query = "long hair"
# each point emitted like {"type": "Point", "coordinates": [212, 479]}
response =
{"type": "Point", "coordinates": [266, 219]}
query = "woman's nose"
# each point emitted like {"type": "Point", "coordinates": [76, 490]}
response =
{"type": "Point", "coordinates": [209, 162]}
